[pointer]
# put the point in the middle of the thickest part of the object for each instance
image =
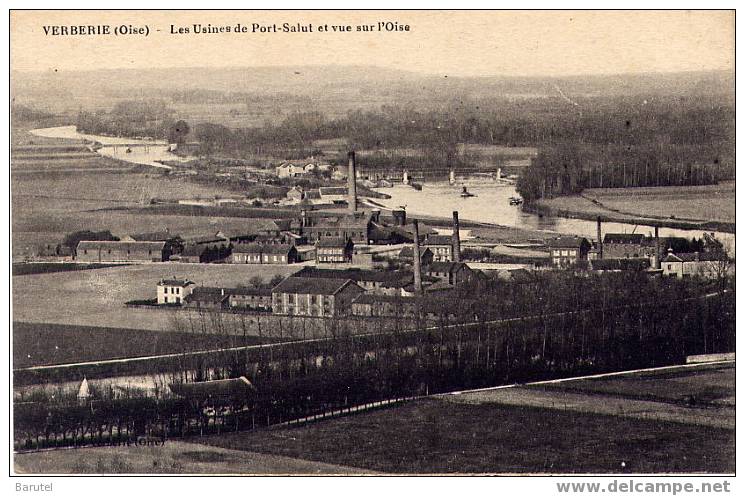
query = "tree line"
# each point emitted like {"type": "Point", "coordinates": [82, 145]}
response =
{"type": "Point", "coordinates": [563, 325]}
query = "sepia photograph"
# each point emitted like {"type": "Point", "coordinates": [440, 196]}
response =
{"type": "Point", "coordinates": [360, 242]}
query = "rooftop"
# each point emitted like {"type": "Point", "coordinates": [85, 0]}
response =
{"type": "Point", "coordinates": [356, 274]}
{"type": "Point", "coordinates": [448, 267]}
{"type": "Point", "coordinates": [333, 242]}
{"type": "Point", "coordinates": [150, 245]}
{"type": "Point", "coordinates": [175, 282]}
{"type": "Point", "coordinates": [312, 285]}
{"type": "Point", "coordinates": [262, 248]}
{"type": "Point", "coordinates": [214, 389]}
{"type": "Point", "coordinates": [695, 257]}
{"type": "Point", "coordinates": [619, 238]}
{"type": "Point", "coordinates": [438, 239]}
{"type": "Point", "coordinates": [567, 242]}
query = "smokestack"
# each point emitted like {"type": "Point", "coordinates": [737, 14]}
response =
{"type": "Point", "coordinates": [600, 240]}
{"type": "Point", "coordinates": [657, 261]}
{"type": "Point", "coordinates": [456, 237]}
{"type": "Point", "coordinates": [417, 260]}
{"type": "Point", "coordinates": [352, 181]}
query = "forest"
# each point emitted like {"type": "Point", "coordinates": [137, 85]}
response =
{"type": "Point", "coordinates": [590, 142]}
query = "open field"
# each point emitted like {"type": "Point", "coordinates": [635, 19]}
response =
{"type": "Point", "coordinates": [56, 195]}
{"type": "Point", "coordinates": [707, 386]}
{"type": "Point", "coordinates": [171, 458]}
{"type": "Point", "coordinates": [710, 206]}
{"type": "Point", "coordinates": [26, 269]}
{"type": "Point", "coordinates": [46, 344]}
{"type": "Point", "coordinates": [711, 203]}
{"type": "Point", "coordinates": [487, 432]}
{"type": "Point", "coordinates": [435, 436]}
{"type": "Point", "coordinates": [97, 297]}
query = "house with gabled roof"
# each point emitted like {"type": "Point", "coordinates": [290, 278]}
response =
{"type": "Point", "coordinates": [173, 291]}
{"type": "Point", "coordinates": [255, 253]}
{"type": "Point", "coordinates": [314, 297]}
{"type": "Point", "coordinates": [568, 251]}
{"type": "Point", "coordinates": [334, 250]}
{"type": "Point", "coordinates": [705, 265]}
{"type": "Point", "coordinates": [441, 247]}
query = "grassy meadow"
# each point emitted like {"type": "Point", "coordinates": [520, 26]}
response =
{"type": "Point", "coordinates": [487, 432]}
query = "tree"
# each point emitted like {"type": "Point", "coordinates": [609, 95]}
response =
{"type": "Point", "coordinates": [178, 131]}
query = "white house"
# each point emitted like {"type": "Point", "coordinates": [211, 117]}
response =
{"type": "Point", "coordinates": [706, 265]}
{"type": "Point", "coordinates": [173, 291]}
{"type": "Point", "coordinates": [289, 169]}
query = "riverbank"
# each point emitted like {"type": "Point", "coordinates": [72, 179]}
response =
{"type": "Point", "coordinates": [587, 207]}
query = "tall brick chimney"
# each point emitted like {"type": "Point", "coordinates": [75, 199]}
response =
{"type": "Point", "coordinates": [456, 237]}
{"type": "Point", "coordinates": [600, 239]}
{"type": "Point", "coordinates": [352, 183]}
{"type": "Point", "coordinates": [658, 255]}
{"type": "Point", "coordinates": [417, 260]}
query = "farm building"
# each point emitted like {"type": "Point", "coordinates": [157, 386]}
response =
{"type": "Point", "coordinates": [256, 299]}
{"type": "Point", "coordinates": [254, 253]}
{"type": "Point", "coordinates": [173, 291]}
{"type": "Point", "coordinates": [568, 251]}
{"type": "Point", "coordinates": [314, 297]}
{"type": "Point", "coordinates": [121, 251]}
{"type": "Point", "coordinates": [441, 247]}
{"type": "Point", "coordinates": [334, 250]}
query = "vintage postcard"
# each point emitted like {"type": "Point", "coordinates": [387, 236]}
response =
{"type": "Point", "coordinates": [373, 242]}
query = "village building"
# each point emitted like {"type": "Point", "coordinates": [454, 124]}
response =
{"type": "Point", "coordinates": [205, 298]}
{"type": "Point", "coordinates": [235, 237]}
{"type": "Point", "coordinates": [622, 245]}
{"type": "Point", "coordinates": [425, 255]}
{"type": "Point", "coordinates": [334, 194]}
{"type": "Point", "coordinates": [620, 264]}
{"type": "Point", "coordinates": [375, 281]}
{"type": "Point", "coordinates": [194, 254]}
{"type": "Point", "coordinates": [440, 246]}
{"type": "Point", "coordinates": [211, 241]}
{"type": "Point", "coordinates": [173, 242]}
{"type": "Point", "coordinates": [704, 265]}
{"type": "Point", "coordinates": [356, 226]}
{"type": "Point", "coordinates": [568, 251]}
{"type": "Point", "coordinates": [377, 305]}
{"type": "Point", "coordinates": [255, 299]}
{"type": "Point", "coordinates": [173, 291]}
{"type": "Point", "coordinates": [451, 273]}
{"type": "Point", "coordinates": [314, 297]}
{"type": "Point", "coordinates": [290, 169]}
{"type": "Point", "coordinates": [254, 253]}
{"type": "Point", "coordinates": [121, 251]}
{"type": "Point", "coordinates": [334, 250]}
{"type": "Point", "coordinates": [295, 194]}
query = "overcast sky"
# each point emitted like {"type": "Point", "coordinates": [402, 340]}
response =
{"type": "Point", "coordinates": [452, 43]}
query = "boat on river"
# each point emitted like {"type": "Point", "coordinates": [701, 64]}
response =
{"type": "Point", "coordinates": [465, 193]}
